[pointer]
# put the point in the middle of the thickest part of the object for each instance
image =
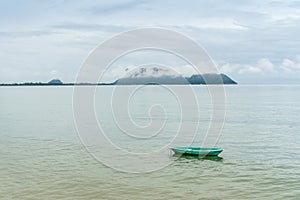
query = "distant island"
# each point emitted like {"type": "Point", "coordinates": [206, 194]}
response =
{"type": "Point", "coordinates": [147, 76]}
{"type": "Point", "coordinates": [53, 82]}
{"type": "Point", "coordinates": [160, 75]}
{"type": "Point", "coordinates": [196, 79]}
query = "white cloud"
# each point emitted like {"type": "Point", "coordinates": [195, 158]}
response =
{"type": "Point", "coordinates": [290, 66]}
{"type": "Point", "coordinates": [250, 70]}
{"type": "Point", "coordinates": [264, 69]}
{"type": "Point", "coordinates": [230, 68]}
{"type": "Point", "coordinates": [265, 65]}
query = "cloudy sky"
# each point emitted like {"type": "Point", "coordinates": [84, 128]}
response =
{"type": "Point", "coordinates": [255, 41]}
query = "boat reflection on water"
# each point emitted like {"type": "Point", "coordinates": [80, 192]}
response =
{"type": "Point", "coordinates": [182, 157]}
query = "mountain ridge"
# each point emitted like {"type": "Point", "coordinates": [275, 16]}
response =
{"type": "Point", "coordinates": [195, 79]}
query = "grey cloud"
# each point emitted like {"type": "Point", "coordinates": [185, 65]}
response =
{"type": "Point", "coordinates": [281, 4]}
{"type": "Point", "coordinates": [14, 34]}
{"type": "Point", "coordinates": [232, 31]}
{"type": "Point", "coordinates": [90, 27]}
{"type": "Point", "coordinates": [112, 8]}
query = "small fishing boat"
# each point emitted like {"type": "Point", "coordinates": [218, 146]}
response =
{"type": "Point", "coordinates": [197, 151]}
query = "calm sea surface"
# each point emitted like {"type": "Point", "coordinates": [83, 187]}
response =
{"type": "Point", "coordinates": [41, 156]}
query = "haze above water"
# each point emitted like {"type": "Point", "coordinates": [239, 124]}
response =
{"type": "Point", "coordinates": [41, 156]}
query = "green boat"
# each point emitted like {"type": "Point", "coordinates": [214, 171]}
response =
{"type": "Point", "coordinates": [197, 151]}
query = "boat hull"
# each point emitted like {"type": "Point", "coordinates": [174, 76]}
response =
{"type": "Point", "coordinates": [197, 151]}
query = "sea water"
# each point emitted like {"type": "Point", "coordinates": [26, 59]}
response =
{"type": "Point", "coordinates": [42, 157]}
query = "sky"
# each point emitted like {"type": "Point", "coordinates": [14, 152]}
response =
{"type": "Point", "coordinates": [254, 42]}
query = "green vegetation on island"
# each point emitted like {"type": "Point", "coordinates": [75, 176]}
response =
{"type": "Point", "coordinates": [196, 79]}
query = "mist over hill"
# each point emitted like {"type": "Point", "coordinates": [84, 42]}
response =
{"type": "Point", "coordinates": [157, 75]}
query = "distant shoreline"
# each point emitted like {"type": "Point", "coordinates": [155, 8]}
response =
{"type": "Point", "coordinates": [47, 84]}
{"type": "Point", "coordinates": [91, 84]}
{"type": "Point", "coordinates": [196, 79]}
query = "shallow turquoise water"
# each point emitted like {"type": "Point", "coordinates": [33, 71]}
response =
{"type": "Point", "coordinates": [41, 156]}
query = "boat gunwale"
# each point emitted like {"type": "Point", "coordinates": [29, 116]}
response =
{"type": "Point", "coordinates": [197, 151]}
{"type": "Point", "coordinates": [196, 148]}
